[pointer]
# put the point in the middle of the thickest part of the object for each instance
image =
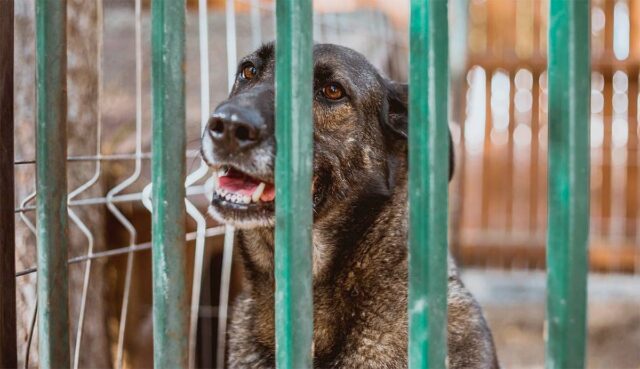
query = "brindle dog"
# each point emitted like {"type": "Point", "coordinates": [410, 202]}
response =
{"type": "Point", "coordinates": [360, 217]}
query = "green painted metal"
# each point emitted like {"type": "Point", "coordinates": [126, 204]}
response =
{"type": "Point", "coordinates": [51, 183]}
{"type": "Point", "coordinates": [428, 180]}
{"type": "Point", "coordinates": [170, 297]}
{"type": "Point", "coordinates": [294, 137]}
{"type": "Point", "coordinates": [568, 227]}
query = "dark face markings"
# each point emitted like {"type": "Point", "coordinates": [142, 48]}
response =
{"type": "Point", "coordinates": [359, 117]}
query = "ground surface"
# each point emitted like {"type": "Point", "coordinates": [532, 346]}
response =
{"type": "Point", "coordinates": [514, 305]}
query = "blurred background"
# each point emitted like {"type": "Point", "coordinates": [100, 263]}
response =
{"type": "Point", "coordinates": [498, 120]}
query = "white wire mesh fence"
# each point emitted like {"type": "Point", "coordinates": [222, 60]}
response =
{"type": "Point", "coordinates": [109, 204]}
{"type": "Point", "coordinates": [117, 154]}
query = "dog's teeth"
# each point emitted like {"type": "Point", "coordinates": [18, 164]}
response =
{"type": "Point", "coordinates": [224, 170]}
{"type": "Point", "coordinates": [255, 197]}
{"type": "Point", "coordinates": [233, 197]}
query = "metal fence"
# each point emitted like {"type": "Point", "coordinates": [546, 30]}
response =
{"type": "Point", "coordinates": [53, 315]}
{"type": "Point", "coordinates": [173, 321]}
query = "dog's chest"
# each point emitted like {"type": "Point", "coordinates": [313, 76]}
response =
{"type": "Point", "coordinates": [332, 320]}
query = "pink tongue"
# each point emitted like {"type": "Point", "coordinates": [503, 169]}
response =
{"type": "Point", "coordinates": [237, 185]}
{"type": "Point", "coordinates": [242, 186]}
{"type": "Point", "coordinates": [268, 194]}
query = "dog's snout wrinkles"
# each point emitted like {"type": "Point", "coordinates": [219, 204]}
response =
{"type": "Point", "coordinates": [234, 128]}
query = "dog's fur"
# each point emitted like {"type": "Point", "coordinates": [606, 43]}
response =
{"type": "Point", "coordinates": [359, 228]}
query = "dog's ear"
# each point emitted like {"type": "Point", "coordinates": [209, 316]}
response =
{"type": "Point", "coordinates": [395, 113]}
{"type": "Point", "coordinates": [396, 118]}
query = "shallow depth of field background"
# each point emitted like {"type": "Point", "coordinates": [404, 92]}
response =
{"type": "Point", "coordinates": [497, 198]}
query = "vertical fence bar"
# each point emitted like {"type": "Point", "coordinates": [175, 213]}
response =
{"type": "Point", "coordinates": [8, 349]}
{"type": "Point", "coordinates": [428, 179]}
{"type": "Point", "coordinates": [51, 183]}
{"type": "Point", "coordinates": [568, 227]}
{"type": "Point", "coordinates": [294, 128]}
{"type": "Point", "coordinates": [170, 299]}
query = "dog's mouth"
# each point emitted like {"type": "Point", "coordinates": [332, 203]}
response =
{"type": "Point", "coordinates": [246, 201]}
{"type": "Point", "coordinates": [241, 199]}
{"type": "Point", "coordinates": [239, 189]}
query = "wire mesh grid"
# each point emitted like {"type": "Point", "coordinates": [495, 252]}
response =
{"type": "Point", "coordinates": [130, 186]}
{"type": "Point", "coordinates": [121, 194]}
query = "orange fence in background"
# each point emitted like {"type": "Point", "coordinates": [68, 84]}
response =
{"type": "Point", "coordinates": [503, 184]}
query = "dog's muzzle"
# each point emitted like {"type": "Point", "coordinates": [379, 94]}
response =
{"type": "Point", "coordinates": [239, 145]}
{"type": "Point", "coordinates": [234, 128]}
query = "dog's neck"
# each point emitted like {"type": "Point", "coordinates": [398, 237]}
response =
{"type": "Point", "coordinates": [333, 239]}
{"type": "Point", "coordinates": [340, 230]}
{"type": "Point", "coordinates": [361, 239]}
{"type": "Point", "coordinates": [336, 232]}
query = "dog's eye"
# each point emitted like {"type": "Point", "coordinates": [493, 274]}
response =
{"type": "Point", "coordinates": [333, 91]}
{"type": "Point", "coordinates": [249, 72]}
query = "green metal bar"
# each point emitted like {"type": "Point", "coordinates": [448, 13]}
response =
{"type": "Point", "coordinates": [8, 348]}
{"type": "Point", "coordinates": [170, 298]}
{"type": "Point", "coordinates": [568, 227]}
{"type": "Point", "coordinates": [51, 183]}
{"type": "Point", "coordinates": [294, 130]}
{"type": "Point", "coordinates": [428, 180]}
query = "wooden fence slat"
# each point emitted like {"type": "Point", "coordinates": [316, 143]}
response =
{"type": "Point", "coordinates": [8, 353]}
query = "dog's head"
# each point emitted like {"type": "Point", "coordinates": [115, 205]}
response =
{"type": "Point", "coordinates": [360, 125]}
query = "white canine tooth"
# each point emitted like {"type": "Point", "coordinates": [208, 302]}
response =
{"type": "Point", "coordinates": [246, 199]}
{"type": "Point", "coordinates": [228, 197]}
{"type": "Point", "coordinates": [222, 171]}
{"type": "Point", "coordinates": [255, 197]}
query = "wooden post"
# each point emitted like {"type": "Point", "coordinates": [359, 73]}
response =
{"type": "Point", "coordinates": [8, 355]}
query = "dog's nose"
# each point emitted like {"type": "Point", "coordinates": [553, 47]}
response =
{"type": "Point", "coordinates": [235, 128]}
